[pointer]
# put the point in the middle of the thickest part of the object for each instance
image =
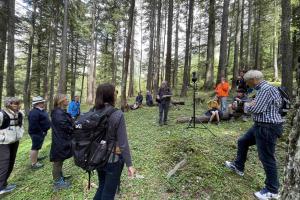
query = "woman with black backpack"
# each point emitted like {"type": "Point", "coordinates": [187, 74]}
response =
{"type": "Point", "coordinates": [62, 129]}
{"type": "Point", "coordinates": [109, 176]}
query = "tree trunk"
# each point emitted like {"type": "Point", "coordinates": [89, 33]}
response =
{"type": "Point", "coordinates": [90, 79]}
{"type": "Point", "coordinates": [10, 72]}
{"type": "Point", "coordinates": [242, 64]}
{"type": "Point", "coordinates": [157, 52]}
{"type": "Point", "coordinates": [176, 56]}
{"type": "Point", "coordinates": [248, 65]}
{"type": "Point", "coordinates": [236, 43]}
{"type": "Point", "coordinates": [27, 89]}
{"type": "Point", "coordinates": [83, 72]}
{"type": "Point", "coordinates": [141, 51]}
{"type": "Point", "coordinates": [286, 47]}
{"type": "Point", "coordinates": [127, 56]}
{"type": "Point", "coordinates": [223, 43]}
{"type": "Point", "coordinates": [185, 81]}
{"type": "Point", "coordinates": [151, 44]}
{"type": "Point", "coordinates": [291, 183]}
{"type": "Point", "coordinates": [169, 43]}
{"type": "Point", "coordinates": [3, 35]}
{"type": "Point", "coordinates": [257, 42]}
{"type": "Point", "coordinates": [62, 83]}
{"type": "Point", "coordinates": [275, 44]}
{"type": "Point", "coordinates": [74, 71]}
{"type": "Point", "coordinates": [162, 76]}
{"type": "Point", "coordinates": [209, 74]}
{"type": "Point", "coordinates": [53, 57]}
{"type": "Point", "coordinates": [131, 76]}
{"type": "Point", "coordinates": [114, 64]}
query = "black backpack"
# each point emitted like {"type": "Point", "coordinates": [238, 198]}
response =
{"type": "Point", "coordinates": [286, 102]}
{"type": "Point", "coordinates": [92, 143]}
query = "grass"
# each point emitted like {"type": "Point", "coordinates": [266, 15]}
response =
{"type": "Point", "coordinates": [155, 151]}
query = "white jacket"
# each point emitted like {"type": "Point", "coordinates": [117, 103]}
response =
{"type": "Point", "coordinates": [14, 132]}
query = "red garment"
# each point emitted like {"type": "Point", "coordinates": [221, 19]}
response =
{"type": "Point", "coordinates": [222, 89]}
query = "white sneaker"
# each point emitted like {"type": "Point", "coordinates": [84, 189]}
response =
{"type": "Point", "coordinates": [264, 194]}
{"type": "Point", "coordinates": [232, 167]}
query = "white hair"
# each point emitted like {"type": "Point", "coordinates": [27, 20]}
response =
{"type": "Point", "coordinates": [9, 100]}
{"type": "Point", "coordinates": [254, 74]}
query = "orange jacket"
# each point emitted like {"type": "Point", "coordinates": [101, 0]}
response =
{"type": "Point", "coordinates": [222, 89]}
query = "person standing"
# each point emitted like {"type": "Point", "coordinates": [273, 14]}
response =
{"type": "Point", "coordinates": [264, 133]}
{"type": "Point", "coordinates": [109, 176]}
{"type": "Point", "coordinates": [62, 129]}
{"type": "Point", "coordinates": [9, 141]}
{"type": "Point", "coordinates": [222, 92]}
{"type": "Point", "coordinates": [74, 107]}
{"type": "Point", "coordinates": [164, 98]}
{"type": "Point", "coordinates": [39, 124]}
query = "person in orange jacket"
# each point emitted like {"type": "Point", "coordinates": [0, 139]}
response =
{"type": "Point", "coordinates": [222, 92]}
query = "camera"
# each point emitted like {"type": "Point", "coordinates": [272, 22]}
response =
{"type": "Point", "coordinates": [194, 78]}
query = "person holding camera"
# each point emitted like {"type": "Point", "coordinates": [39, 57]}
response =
{"type": "Point", "coordinates": [39, 124]}
{"type": "Point", "coordinates": [164, 98]}
{"type": "Point", "coordinates": [264, 133]}
{"type": "Point", "coordinates": [11, 122]}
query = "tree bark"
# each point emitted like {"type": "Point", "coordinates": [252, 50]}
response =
{"type": "Point", "coordinates": [127, 56]}
{"type": "Point", "coordinates": [131, 76]}
{"type": "Point", "coordinates": [91, 72]}
{"type": "Point", "coordinates": [209, 74]}
{"type": "Point", "coordinates": [83, 72]}
{"type": "Point", "coordinates": [248, 64]}
{"type": "Point", "coordinates": [157, 52]}
{"type": "Point", "coordinates": [169, 43]}
{"type": "Point", "coordinates": [62, 83]}
{"type": "Point", "coordinates": [286, 47]}
{"type": "Point", "coordinates": [3, 35]}
{"type": "Point", "coordinates": [236, 43]}
{"type": "Point", "coordinates": [275, 43]}
{"type": "Point", "coordinates": [151, 46]}
{"type": "Point", "coordinates": [223, 43]}
{"type": "Point", "coordinates": [257, 41]}
{"type": "Point", "coordinates": [242, 64]}
{"type": "Point", "coordinates": [10, 71]}
{"type": "Point", "coordinates": [176, 56]}
{"type": "Point", "coordinates": [185, 81]}
{"type": "Point", "coordinates": [27, 88]}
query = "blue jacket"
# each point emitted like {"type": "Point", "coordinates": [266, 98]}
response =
{"type": "Point", "coordinates": [39, 122]}
{"type": "Point", "coordinates": [74, 108]}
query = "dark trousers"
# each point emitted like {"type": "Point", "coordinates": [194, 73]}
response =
{"type": "Point", "coordinates": [57, 170]}
{"type": "Point", "coordinates": [264, 136]}
{"type": "Point", "coordinates": [8, 154]}
{"type": "Point", "coordinates": [163, 112]}
{"type": "Point", "coordinates": [109, 180]}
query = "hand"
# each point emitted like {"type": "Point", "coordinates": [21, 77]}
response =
{"type": "Point", "coordinates": [131, 171]}
{"type": "Point", "coordinates": [157, 97]}
{"type": "Point", "coordinates": [252, 103]}
{"type": "Point", "coordinates": [238, 99]}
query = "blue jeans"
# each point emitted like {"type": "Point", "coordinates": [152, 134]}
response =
{"type": "Point", "coordinates": [264, 136]}
{"type": "Point", "coordinates": [109, 180]}
{"type": "Point", "coordinates": [163, 111]}
{"type": "Point", "coordinates": [223, 101]}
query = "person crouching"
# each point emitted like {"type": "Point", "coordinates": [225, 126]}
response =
{"type": "Point", "coordinates": [9, 141]}
{"type": "Point", "coordinates": [39, 124]}
{"type": "Point", "coordinates": [62, 129]}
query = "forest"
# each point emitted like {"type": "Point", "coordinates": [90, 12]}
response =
{"type": "Point", "coordinates": [71, 46]}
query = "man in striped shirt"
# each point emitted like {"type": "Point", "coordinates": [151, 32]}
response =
{"type": "Point", "coordinates": [264, 133]}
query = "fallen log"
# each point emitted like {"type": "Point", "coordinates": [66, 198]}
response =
{"type": "Point", "coordinates": [202, 119]}
{"type": "Point", "coordinates": [175, 103]}
{"type": "Point", "coordinates": [175, 169]}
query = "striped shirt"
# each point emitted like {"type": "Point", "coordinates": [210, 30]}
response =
{"type": "Point", "coordinates": [267, 104]}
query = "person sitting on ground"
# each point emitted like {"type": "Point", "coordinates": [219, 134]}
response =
{"type": "Point", "coordinates": [222, 92]}
{"type": "Point", "coordinates": [39, 124]}
{"type": "Point", "coordinates": [109, 176]}
{"type": "Point", "coordinates": [9, 140]}
{"type": "Point", "coordinates": [237, 106]}
{"type": "Point", "coordinates": [214, 111]}
{"type": "Point", "coordinates": [74, 107]}
{"type": "Point", "coordinates": [62, 129]}
{"type": "Point", "coordinates": [139, 99]}
{"type": "Point", "coordinates": [149, 99]}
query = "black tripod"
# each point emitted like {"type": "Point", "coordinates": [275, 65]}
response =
{"type": "Point", "coordinates": [192, 122]}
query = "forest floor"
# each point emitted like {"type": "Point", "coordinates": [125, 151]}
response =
{"type": "Point", "coordinates": [155, 151]}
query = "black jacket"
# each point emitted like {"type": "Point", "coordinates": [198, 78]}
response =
{"type": "Point", "coordinates": [62, 129]}
{"type": "Point", "coordinates": [39, 122]}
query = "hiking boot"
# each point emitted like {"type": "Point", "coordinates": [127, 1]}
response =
{"type": "Point", "coordinates": [42, 158]}
{"type": "Point", "coordinates": [37, 165]}
{"type": "Point", "coordinates": [232, 167]}
{"type": "Point", "coordinates": [61, 184]}
{"type": "Point", "coordinates": [265, 194]}
{"type": "Point", "coordinates": [8, 188]}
